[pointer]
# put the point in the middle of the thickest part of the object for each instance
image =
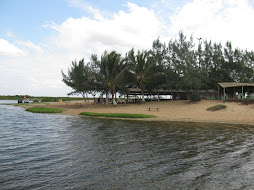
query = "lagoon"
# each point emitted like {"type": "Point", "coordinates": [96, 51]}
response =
{"type": "Point", "coordinates": [45, 151]}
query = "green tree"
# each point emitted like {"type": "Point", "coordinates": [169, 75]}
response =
{"type": "Point", "coordinates": [249, 67]}
{"type": "Point", "coordinates": [159, 57]}
{"type": "Point", "coordinates": [78, 78]}
{"type": "Point", "coordinates": [229, 66]}
{"type": "Point", "coordinates": [142, 69]}
{"type": "Point", "coordinates": [206, 66]}
{"type": "Point", "coordinates": [173, 68]}
{"type": "Point", "coordinates": [218, 70]}
{"type": "Point", "coordinates": [109, 73]}
{"type": "Point", "coordinates": [185, 64]}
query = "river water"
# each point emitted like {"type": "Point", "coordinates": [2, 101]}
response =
{"type": "Point", "coordinates": [43, 151]}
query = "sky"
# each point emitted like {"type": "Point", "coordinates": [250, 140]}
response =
{"type": "Point", "coordinates": [39, 38]}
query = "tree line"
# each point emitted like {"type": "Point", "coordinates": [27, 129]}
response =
{"type": "Point", "coordinates": [179, 64]}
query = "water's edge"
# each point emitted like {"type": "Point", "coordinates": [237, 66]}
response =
{"type": "Point", "coordinates": [45, 151]}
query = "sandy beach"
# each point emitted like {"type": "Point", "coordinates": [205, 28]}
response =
{"type": "Point", "coordinates": [180, 110]}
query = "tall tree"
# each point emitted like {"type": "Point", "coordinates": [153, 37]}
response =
{"type": "Point", "coordinates": [110, 73]}
{"type": "Point", "coordinates": [142, 68]}
{"type": "Point", "coordinates": [248, 73]}
{"type": "Point", "coordinates": [78, 78]}
{"type": "Point", "coordinates": [218, 70]}
{"type": "Point", "coordinates": [206, 63]}
{"type": "Point", "coordinates": [184, 63]}
{"type": "Point", "coordinates": [159, 57]}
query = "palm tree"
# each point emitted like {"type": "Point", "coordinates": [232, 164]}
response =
{"type": "Point", "coordinates": [110, 73]}
{"type": "Point", "coordinates": [142, 68]}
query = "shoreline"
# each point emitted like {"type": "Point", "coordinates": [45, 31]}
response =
{"type": "Point", "coordinates": [171, 111]}
{"type": "Point", "coordinates": [172, 121]}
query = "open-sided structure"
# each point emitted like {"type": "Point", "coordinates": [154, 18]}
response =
{"type": "Point", "coordinates": [175, 94]}
{"type": "Point", "coordinates": [225, 85]}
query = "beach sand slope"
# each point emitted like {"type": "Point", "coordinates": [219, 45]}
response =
{"type": "Point", "coordinates": [178, 110]}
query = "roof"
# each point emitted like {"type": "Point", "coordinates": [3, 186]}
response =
{"type": "Point", "coordinates": [137, 91]}
{"type": "Point", "coordinates": [233, 84]}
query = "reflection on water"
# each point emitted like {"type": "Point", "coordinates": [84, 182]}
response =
{"type": "Point", "coordinates": [63, 152]}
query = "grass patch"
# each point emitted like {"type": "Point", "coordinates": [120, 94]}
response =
{"type": "Point", "coordinates": [217, 107]}
{"type": "Point", "coordinates": [117, 115]}
{"type": "Point", "coordinates": [44, 110]}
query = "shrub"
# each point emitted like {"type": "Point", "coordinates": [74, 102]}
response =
{"type": "Point", "coordinates": [48, 99]}
{"type": "Point", "coordinates": [217, 107]}
{"type": "Point", "coordinates": [196, 96]}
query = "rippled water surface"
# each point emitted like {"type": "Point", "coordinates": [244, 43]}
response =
{"type": "Point", "coordinates": [42, 151]}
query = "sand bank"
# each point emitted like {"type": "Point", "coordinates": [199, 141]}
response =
{"type": "Point", "coordinates": [179, 110]}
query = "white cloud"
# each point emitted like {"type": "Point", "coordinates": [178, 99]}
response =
{"type": "Point", "coordinates": [6, 48]}
{"type": "Point", "coordinates": [136, 28]}
{"type": "Point", "coordinates": [39, 71]}
{"type": "Point", "coordinates": [86, 7]}
{"type": "Point", "coordinates": [9, 34]}
{"type": "Point", "coordinates": [216, 20]}
{"type": "Point", "coordinates": [21, 48]}
{"type": "Point", "coordinates": [34, 75]}
{"type": "Point", "coordinates": [30, 47]}
{"type": "Point", "coordinates": [79, 38]}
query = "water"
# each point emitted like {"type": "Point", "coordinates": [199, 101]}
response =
{"type": "Point", "coordinates": [8, 101]}
{"type": "Point", "coordinates": [42, 151]}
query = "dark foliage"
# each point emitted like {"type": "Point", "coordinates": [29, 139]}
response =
{"type": "Point", "coordinates": [196, 96]}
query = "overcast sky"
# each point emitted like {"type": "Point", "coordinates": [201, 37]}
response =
{"type": "Point", "coordinates": [38, 38]}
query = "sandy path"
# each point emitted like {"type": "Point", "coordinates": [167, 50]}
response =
{"type": "Point", "coordinates": [168, 110]}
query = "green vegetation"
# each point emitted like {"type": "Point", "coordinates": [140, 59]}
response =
{"type": "Point", "coordinates": [178, 65]}
{"type": "Point", "coordinates": [78, 78]}
{"type": "Point", "coordinates": [217, 107]}
{"type": "Point", "coordinates": [13, 97]}
{"type": "Point", "coordinates": [143, 69]}
{"type": "Point", "coordinates": [110, 74]}
{"type": "Point", "coordinates": [242, 101]}
{"type": "Point", "coordinates": [196, 96]}
{"type": "Point", "coordinates": [44, 110]}
{"type": "Point", "coordinates": [117, 115]}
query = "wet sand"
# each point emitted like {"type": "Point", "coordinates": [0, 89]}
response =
{"type": "Point", "coordinates": [178, 110]}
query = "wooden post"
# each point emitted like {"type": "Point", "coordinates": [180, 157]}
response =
{"type": "Point", "coordinates": [218, 92]}
{"type": "Point", "coordinates": [242, 92]}
{"type": "Point", "coordinates": [224, 93]}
